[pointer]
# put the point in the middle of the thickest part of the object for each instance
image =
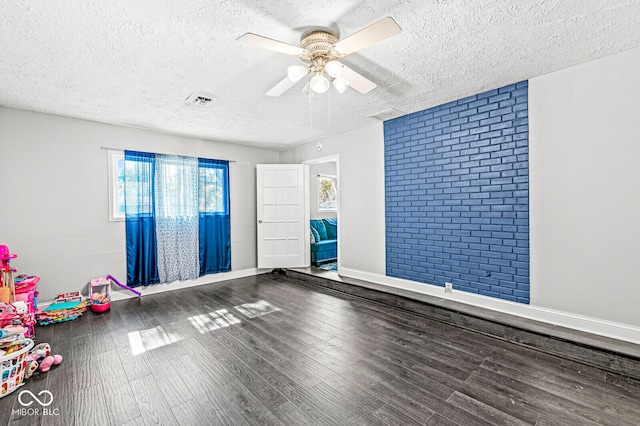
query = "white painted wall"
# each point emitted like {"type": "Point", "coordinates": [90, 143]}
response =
{"type": "Point", "coordinates": [327, 168]}
{"type": "Point", "coordinates": [361, 174]}
{"type": "Point", "coordinates": [55, 193]}
{"type": "Point", "coordinates": [585, 189]}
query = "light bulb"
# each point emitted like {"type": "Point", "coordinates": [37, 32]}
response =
{"type": "Point", "coordinates": [296, 72]}
{"type": "Point", "coordinates": [319, 83]}
{"type": "Point", "coordinates": [333, 68]}
{"type": "Point", "coordinates": [306, 90]}
{"type": "Point", "coordinates": [341, 84]}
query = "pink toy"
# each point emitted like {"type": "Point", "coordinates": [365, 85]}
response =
{"type": "Point", "coordinates": [40, 358]}
{"type": "Point", "coordinates": [116, 282]}
{"type": "Point", "coordinates": [45, 364]}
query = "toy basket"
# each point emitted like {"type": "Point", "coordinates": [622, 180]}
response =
{"type": "Point", "coordinates": [100, 294]}
{"type": "Point", "coordinates": [13, 366]}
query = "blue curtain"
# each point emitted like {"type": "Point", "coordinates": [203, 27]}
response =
{"type": "Point", "coordinates": [139, 189]}
{"type": "Point", "coordinates": [214, 216]}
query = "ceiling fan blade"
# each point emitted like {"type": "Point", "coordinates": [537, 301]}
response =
{"type": "Point", "coordinates": [368, 36]}
{"type": "Point", "coordinates": [271, 44]}
{"type": "Point", "coordinates": [281, 87]}
{"type": "Point", "coordinates": [357, 81]}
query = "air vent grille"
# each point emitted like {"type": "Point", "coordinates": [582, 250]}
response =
{"type": "Point", "coordinates": [387, 114]}
{"type": "Point", "coordinates": [200, 99]}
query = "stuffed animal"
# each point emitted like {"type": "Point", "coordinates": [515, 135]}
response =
{"type": "Point", "coordinates": [40, 358]}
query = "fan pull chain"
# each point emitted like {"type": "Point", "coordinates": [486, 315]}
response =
{"type": "Point", "coordinates": [310, 114]}
{"type": "Point", "coordinates": [329, 107]}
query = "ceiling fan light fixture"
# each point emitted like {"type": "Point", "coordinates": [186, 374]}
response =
{"type": "Point", "coordinates": [341, 84]}
{"type": "Point", "coordinates": [296, 72]}
{"type": "Point", "coordinates": [319, 83]}
{"type": "Point", "coordinates": [333, 68]}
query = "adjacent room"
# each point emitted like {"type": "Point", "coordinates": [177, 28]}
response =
{"type": "Point", "coordinates": [337, 213]}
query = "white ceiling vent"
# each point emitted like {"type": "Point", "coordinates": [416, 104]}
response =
{"type": "Point", "coordinates": [387, 114]}
{"type": "Point", "coordinates": [200, 99]}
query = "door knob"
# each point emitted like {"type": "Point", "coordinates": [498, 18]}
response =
{"type": "Point", "coordinates": [260, 222]}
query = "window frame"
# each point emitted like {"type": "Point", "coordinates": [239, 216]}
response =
{"type": "Point", "coordinates": [114, 158]}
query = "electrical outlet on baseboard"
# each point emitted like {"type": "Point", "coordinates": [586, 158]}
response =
{"type": "Point", "coordinates": [448, 287]}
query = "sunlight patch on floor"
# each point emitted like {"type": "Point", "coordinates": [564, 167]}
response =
{"type": "Point", "coordinates": [221, 318]}
{"type": "Point", "coordinates": [256, 309]}
{"type": "Point", "coordinates": [145, 340]}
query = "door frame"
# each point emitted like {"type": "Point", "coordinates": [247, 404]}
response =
{"type": "Point", "coordinates": [336, 159]}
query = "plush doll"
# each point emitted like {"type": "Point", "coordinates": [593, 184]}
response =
{"type": "Point", "coordinates": [40, 358]}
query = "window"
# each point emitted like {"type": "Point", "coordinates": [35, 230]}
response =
{"type": "Point", "coordinates": [212, 187]}
{"type": "Point", "coordinates": [116, 185]}
{"type": "Point", "coordinates": [177, 215]}
{"type": "Point", "coordinates": [327, 193]}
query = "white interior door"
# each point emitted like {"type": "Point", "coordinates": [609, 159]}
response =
{"type": "Point", "coordinates": [283, 235]}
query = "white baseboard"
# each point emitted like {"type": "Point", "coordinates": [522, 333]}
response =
{"type": "Point", "coordinates": [121, 294]}
{"type": "Point", "coordinates": [600, 327]}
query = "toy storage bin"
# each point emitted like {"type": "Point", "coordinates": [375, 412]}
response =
{"type": "Point", "coordinates": [13, 366]}
{"type": "Point", "coordinates": [101, 286]}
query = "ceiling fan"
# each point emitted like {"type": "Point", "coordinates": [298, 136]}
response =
{"type": "Point", "coordinates": [320, 50]}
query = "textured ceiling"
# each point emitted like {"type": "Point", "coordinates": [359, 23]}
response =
{"type": "Point", "coordinates": [134, 62]}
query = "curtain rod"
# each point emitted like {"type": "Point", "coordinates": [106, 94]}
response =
{"type": "Point", "coordinates": [164, 153]}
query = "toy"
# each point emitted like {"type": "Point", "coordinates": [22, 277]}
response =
{"type": "Point", "coordinates": [100, 295]}
{"type": "Point", "coordinates": [40, 358]}
{"type": "Point", "coordinates": [116, 282]}
{"type": "Point", "coordinates": [13, 365]}
{"type": "Point", "coordinates": [69, 297]}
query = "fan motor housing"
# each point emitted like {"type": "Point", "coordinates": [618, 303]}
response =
{"type": "Point", "coordinates": [319, 44]}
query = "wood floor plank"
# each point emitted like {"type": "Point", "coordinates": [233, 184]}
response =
{"type": "Point", "coordinates": [367, 419]}
{"type": "Point", "coordinates": [438, 420]}
{"type": "Point", "coordinates": [134, 422]}
{"type": "Point", "coordinates": [91, 408]}
{"type": "Point", "coordinates": [288, 414]}
{"type": "Point", "coordinates": [118, 397]}
{"type": "Point", "coordinates": [133, 365]}
{"type": "Point", "coordinates": [586, 375]}
{"type": "Point", "coordinates": [232, 363]}
{"type": "Point", "coordinates": [82, 362]}
{"type": "Point", "coordinates": [62, 386]}
{"type": "Point", "coordinates": [539, 400]}
{"type": "Point", "coordinates": [249, 407]}
{"type": "Point", "coordinates": [152, 405]}
{"type": "Point", "coordinates": [619, 406]}
{"type": "Point", "coordinates": [190, 413]}
{"type": "Point", "coordinates": [35, 385]}
{"type": "Point", "coordinates": [99, 340]}
{"type": "Point", "coordinates": [207, 392]}
{"type": "Point", "coordinates": [421, 396]}
{"type": "Point", "coordinates": [392, 416]}
{"type": "Point", "coordinates": [484, 411]}
{"type": "Point", "coordinates": [422, 381]}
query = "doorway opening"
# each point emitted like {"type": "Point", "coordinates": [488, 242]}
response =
{"type": "Point", "coordinates": [324, 213]}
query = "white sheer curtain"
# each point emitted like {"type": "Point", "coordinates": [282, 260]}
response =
{"type": "Point", "coordinates": [177, 217]}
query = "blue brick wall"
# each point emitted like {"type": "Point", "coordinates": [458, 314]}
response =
{"type": "Point", "coordinates": [457, 194]}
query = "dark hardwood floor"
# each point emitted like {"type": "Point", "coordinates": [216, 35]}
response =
{"type": "Point", "coordinates": [191, 358]}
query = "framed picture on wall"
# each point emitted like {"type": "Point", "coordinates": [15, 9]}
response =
{"type": "Point", "coordinates": [327, 193]}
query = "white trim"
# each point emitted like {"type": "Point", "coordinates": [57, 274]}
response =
{"type": "Point", "coordinates": [604, 328]}
{"type": "Point", "coordinates": [336, 159]}
{"type": "Point", "coordinates": [113, 157]}
{"type": "Point", "coordinates": [326, 159]}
